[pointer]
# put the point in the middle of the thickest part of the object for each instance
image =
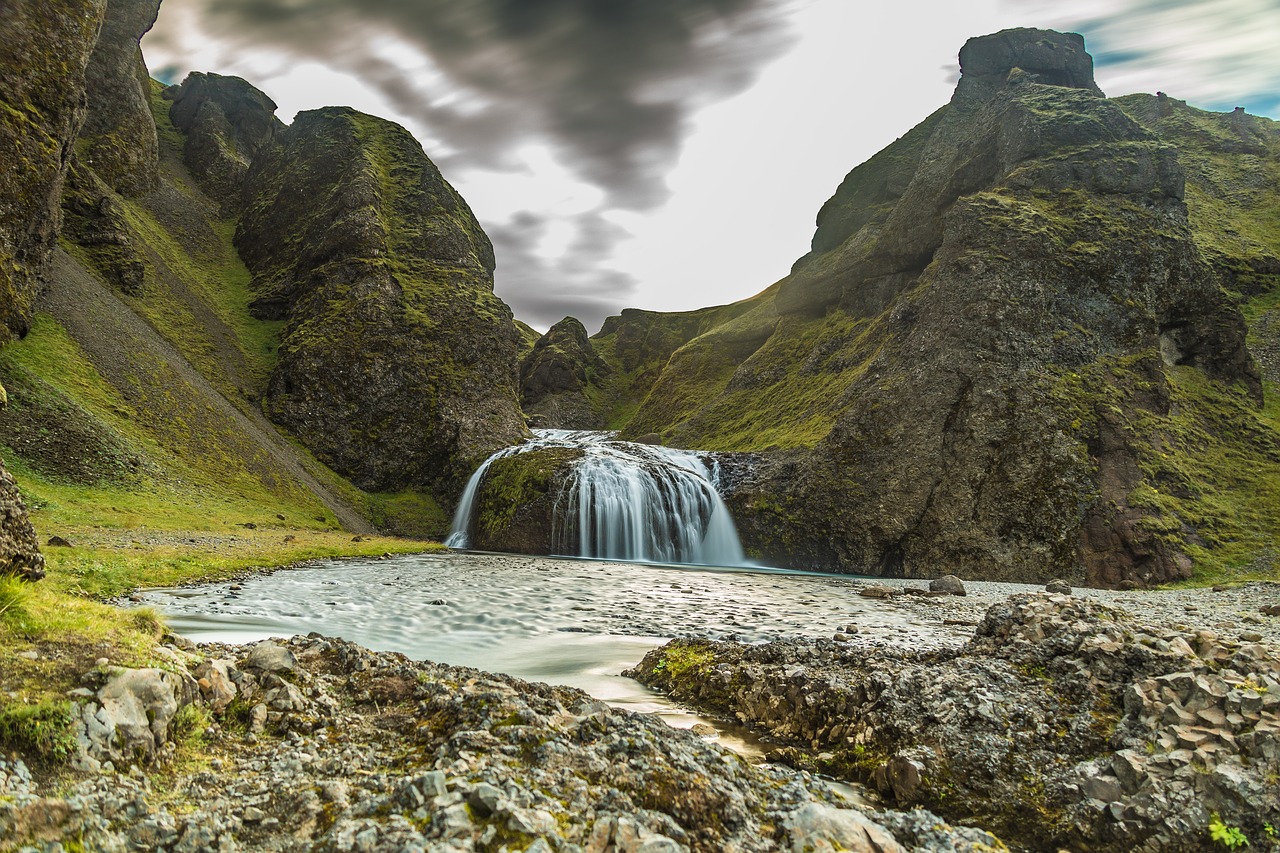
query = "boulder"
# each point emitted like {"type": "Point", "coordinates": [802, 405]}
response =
{"type": "Point", "coordinates": [268, 656]}
{"type": "Point", "coordinates": [1058, 586]}
{"type": "Point", "coordinates": [820, 827]}
{"type": "Point", "coordinates": [948, 585]}
{"type": "Point", "coordinates": [129, 717]}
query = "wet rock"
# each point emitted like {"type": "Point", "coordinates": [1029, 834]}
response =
{"type": "Point", "coordinates": [879, 591]}
{"type": "Point", "coordinates": [948, 584]}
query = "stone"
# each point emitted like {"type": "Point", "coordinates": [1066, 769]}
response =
{"type": "Point", "coordinates": [484, 799]}
{"type": "Point", "coordinates": [820, 828]}
{"type": "Point", "coordinates": [903, 776]}
{"type": "Point", "coordinates": [878, 591]}
{"type": "Point", "coordinates": [57, 542]}
{"type": "Point", "coordinates": [1058, 587]}
{"type": "Point", "coordinates": [949, 584]}
{"type": "Point", "coordinates": [130, 716]}
{"type": "Point", "coordinates": [1270, 610]}
{"type": "Point", "coordinates": [216, 686]}
{"type": "Point", "coordinates": [270, 657]}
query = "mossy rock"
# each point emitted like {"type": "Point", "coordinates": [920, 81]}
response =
{"type": "Point", "coordinates": [516, 501]}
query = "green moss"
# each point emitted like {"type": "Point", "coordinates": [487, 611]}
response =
{"type": "Point", "coordinates": [515, 482]}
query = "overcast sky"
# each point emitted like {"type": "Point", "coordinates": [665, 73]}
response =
{"type": "Point", "coordinates": [672, 154]}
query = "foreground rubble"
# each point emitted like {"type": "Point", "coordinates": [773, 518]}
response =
{"type": "Point", "coordinates": [1062, 723]}
{"type": "Point", "coordinates": [320, 744]}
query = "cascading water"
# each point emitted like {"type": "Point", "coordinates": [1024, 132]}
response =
{"type": "Point", "coordinates": [625, 501]}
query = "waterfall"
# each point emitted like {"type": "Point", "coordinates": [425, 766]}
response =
{"type": "Point", "coordinates": [625, 501]}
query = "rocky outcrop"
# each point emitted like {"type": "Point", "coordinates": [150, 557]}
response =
{"type": "Point", "coordinates": [515, 503]}
{"type": "Point", "coordinates": [19, 549]}
{"type": "Point", "coordinates": [349, 749]}
{"type": "Point", "coordinates": [1061, 724]}
{"type": "Point", "coordinates": [227, 123]}
{"type": "Point", "coordinates": [94, 222]}
{"type": "Point", "coordinates": [47, 46]}
{"type": "Point", "coordinates": [397, 362]}
{"type": "Point", "coordinates": [119, 133]}
{"type": "Point", "coordinates": [995, 355]}
{"type": "Point", "coordinates": [555, 377]}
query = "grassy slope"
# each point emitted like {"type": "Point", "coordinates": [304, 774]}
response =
{"type": "Point", "coordinates": [148, 500]}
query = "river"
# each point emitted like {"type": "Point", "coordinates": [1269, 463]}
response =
{"type": "Point", "coordinates": [562, 621]}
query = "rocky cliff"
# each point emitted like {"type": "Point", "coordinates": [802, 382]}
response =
{"type": "Point", "coordinates": [397, 362]}
{"type": "Point", "coordinates": [1009, 352]}
{"type": "Point", "coordinates": [156, 350]}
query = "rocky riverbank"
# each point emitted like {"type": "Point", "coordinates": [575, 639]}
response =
{"type": "Point", "coordinates": [1062, 722]}
{"type": "Point", "coordinates": [319, 744]}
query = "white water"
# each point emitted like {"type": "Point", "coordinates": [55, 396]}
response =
{"type": "Point", "coordinates": [626, 501]}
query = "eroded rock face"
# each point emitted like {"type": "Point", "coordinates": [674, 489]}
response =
{"type": "Point", "coordinates": [1061, 724]}
{"type": "Point", "coordinates": [47, 46]}
{"type": "Point", "coordinates": [119, 132]}
{"type": "Point", "coordinates": [555, 375]}
{"type": "Point", "coordinates": [19, 549]}
{"type": "Point", "coordinates": [1027, 236]}
{"type": "Point", "coordinates": [228, 123]}
{"type": "Point", "coordinates": [397, 362]}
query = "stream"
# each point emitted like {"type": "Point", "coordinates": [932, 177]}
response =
{"type": "Point", "coordinates": [563, 621]}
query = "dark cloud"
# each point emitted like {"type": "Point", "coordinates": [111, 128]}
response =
{"type": "Point", "coordinates": [609, 83]}
{"type": "Point", "coordinates": [542, 290]}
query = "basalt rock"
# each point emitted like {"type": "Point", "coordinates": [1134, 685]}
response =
{"type": "Point", "coordinates": [555, 376]}
{"type": "Point", "coordinates": [47, 47]}
{"type": "Point", "coordinates": [397, 362]}
{"type": "Point", "coordinates": [93, 220]}
{"type": "Point", "coordinates": [119, 132]}
{"type": "Point", "coordinates": [1061, 724]}
{"type": "Point", "coordinates": [228, 123]}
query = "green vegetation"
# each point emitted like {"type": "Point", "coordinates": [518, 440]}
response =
{"type": "Point", "coordinates": [1230, 837]}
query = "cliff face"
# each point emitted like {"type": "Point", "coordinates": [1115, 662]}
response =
{"type": "Point", "coordinates": [397, 362]}
{"type": "Point", "coordinates": [1006, 349]}
{"type": "Point", "coordinates": [42, 85]}
{"type": "Point", "coordinates": [42, 90]}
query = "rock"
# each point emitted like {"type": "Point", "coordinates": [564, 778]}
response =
{"type": "Point", "coordinates": [949, 584]}
{"type": "Point", "coordinates": [484, 799]}
{"type": "Point", "coordinates": [216, 687]}
{"type": "Point", "coordinates": [817, 827]}
{"type": "Point", "coordinates": [555, 374]}
{"type": "Point", "coordinates": [57, 542]}
{"type": "Point", "coordinates": [228, 123]}
{"type": "Point", "coordinates": [1270, 610]}
{"type": "Point", "coordinates": [47, 48]}
{"type": "Point", "coordinates": [1058, 586]}
{"type": "Point", "coordinates": [875, 591]}
{"type": "Point", "coordinates": [119, 134]}
{"type": "Point", "coordinates": [370, 376]}
{"type": "Point", "coordinates": [903, 775]}
{"type": "Point", "coordinates": [270, 657]}
{"type": "Point", "coordinates": [130, 715]}
{"type": "Point", "coordinates": [19, 551]}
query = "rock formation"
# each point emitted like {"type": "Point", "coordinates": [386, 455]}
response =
{"type": "Point", "coordinates": [19, 549]}
{"type": "Point", "coordinates": [228, 123]}
{"type": "Point", "coordinates": [119, 133]}
{"type": "Point", "coordinates": [979, 364]}
{"type": "Point", "coordinates": [42, 87]}
{"type": "Point", "coordinates": [397, 362]}
{"type": "Point", "coordinates": [1061, 724]}
{"type": "Point", "coordinates": [555, 376]}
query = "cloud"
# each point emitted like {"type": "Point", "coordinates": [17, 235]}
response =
{"type": "Point", "coordinates": [1217, 54]}
{"type": "Point", "coordinates": [611, 84]}
{"type": "Point", "coordinates": [541, 288]}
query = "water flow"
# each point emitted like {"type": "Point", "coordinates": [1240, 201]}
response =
{"type": "Point", "coordinates": [626, 501]}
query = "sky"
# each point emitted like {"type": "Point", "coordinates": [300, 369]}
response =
{"type": "Point", "coordinates": [672, 154]}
